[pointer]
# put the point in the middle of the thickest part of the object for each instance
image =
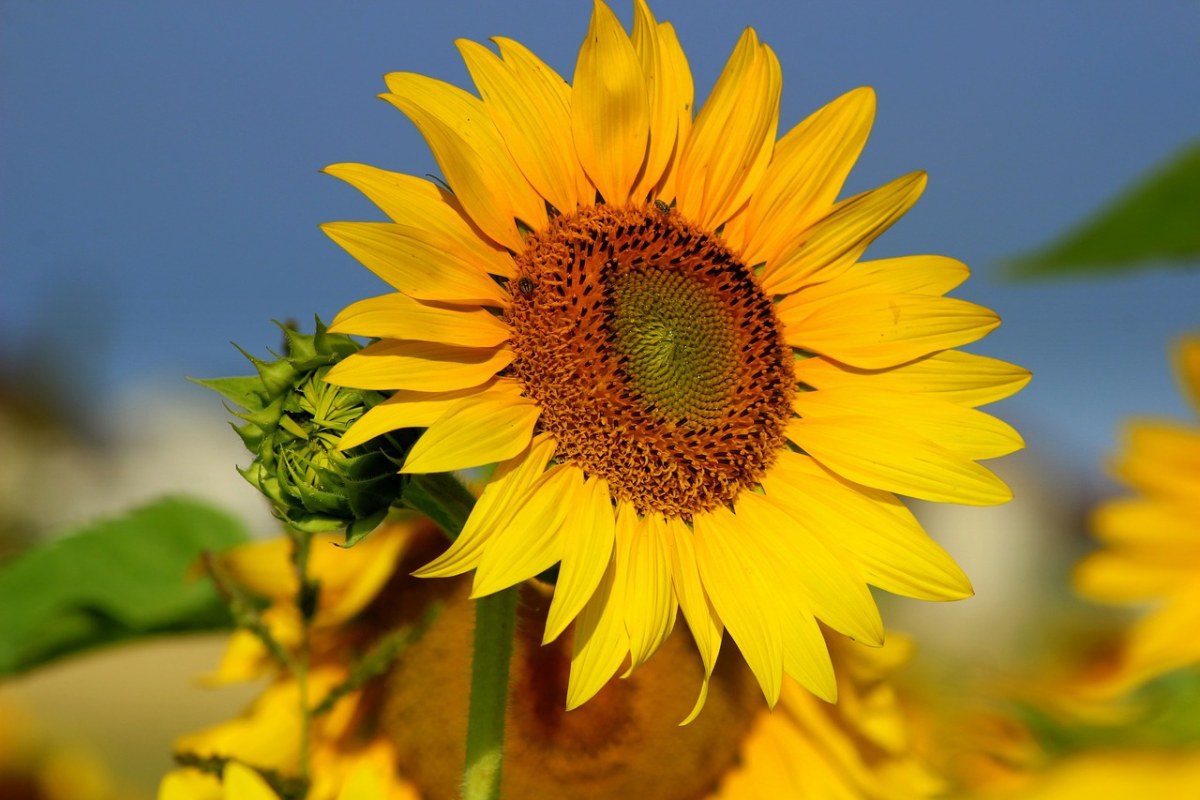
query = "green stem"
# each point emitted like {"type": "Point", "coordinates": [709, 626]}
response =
{"type": "Point", "coordinates": [495, 621]}
{"type": "Point", "coordinates": [441, 497]}
{"type": "Point", "coordinates": [447, 502]}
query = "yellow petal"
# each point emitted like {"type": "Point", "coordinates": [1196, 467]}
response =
{"type": "Point", "coordinates": [872, 331]}
{"type": "Point", "coordinates": [495, 507]}
{"type": "Point", "coordinates": [244, 659]}
{"type": "Point", "coordinates": [650, 603]}
{"type": "Point", "coordinates": [928, 275]}
{"type": "Point", "coordinates": [352, 577]}
{"type": "Point", "coordinates": [365, 783]}
{"type": "Point", "coordinates": [874, 453]}
{"type": "Point", "coordinates": [682, 93]}
{"type": "Point", "coordinates": [423, 205]}
{"type": "Point", "coordinates": [529, 543]}
{"type": "Point", "coordinates": [731, 142]}
{"type": "Point", "coordinates": [701, 617]}
{"type": "Point", "coordinates": [1118, 577]}
{"type": "Point", "coordinates": [670, 94]}
{"type": "Point", "coordinates": [189, 784]}
{"type": "Point", "coordinates": [1149, 525]}
{"type": "Point", "coordinates": [874, 528]}
{"type": "Point", "coordinates": [965, 431]}
{"type": "Point", "coordinates": [529, 102]}
{"type": "Point", "coordinates": [738, 583]}
{"type": "Point", "coordinates": [264, 568]}
{"type": "Point", "coordinates": [806, 655]}
{"type": "Point", "coordinates": [482, 429]}
{"type": "Point", "coordinates": [610, 107]}
{"type": "Point", "coordinates": [963, 378]}
{"type": "Point", "coordinates": [587, 543]}
{"type": "Point", "coordinates": [418, 263]}
{"type": "Point", "coordinates": [243, 783]}
{"type": "Point", "coordinates": [1166, 639]}
{"type": "Point", "coordinates": [408, 409]}
{"type": "Point", "coordinates": [419, 366]}
{"type": "Point", "coordinates": [472, 155]}
{"type": "Point", "coordinates": [834, 243]}
{"type": "Point", "coordinates": [1161, 458]}
{"type": "Point", "coordinates": [394, 316]}
{"type": "Point", "coordinates": [601, 644]}
{"type": "Point", "coordinates": [824, 582]}
{"type": "Point", "coordinates": [806, 172]}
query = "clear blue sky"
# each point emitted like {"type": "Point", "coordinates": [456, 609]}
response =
{"type": "Point", "coordinates": [159, 186]}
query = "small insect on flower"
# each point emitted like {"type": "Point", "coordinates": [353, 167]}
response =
{"type": "Point", "coordinates": [526, 286]}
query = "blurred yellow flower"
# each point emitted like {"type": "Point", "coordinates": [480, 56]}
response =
{"type": "Point", "coordinates": [1116, 775]}
{"type": "Point", "coordinates": [35, 765]}
{"type": "Point", "coordinates": [404, 728]}
{"type": "Point", "coordinates": [698, 396]}
{"type": "Point", "coordinates": [239, 782]}
{"type": "Point", "coordinates": [1151, 540]}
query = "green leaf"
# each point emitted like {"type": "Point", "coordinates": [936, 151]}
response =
{"type": "Point", "coordinates": [113, 581]}
{"type": "Point", "coordinates": [1155, 222]}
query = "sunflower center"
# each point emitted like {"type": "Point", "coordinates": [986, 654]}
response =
{"type": "Point", "coordinates": [678, 341]}
{"type": "Point", "coordinates": [656, 358]}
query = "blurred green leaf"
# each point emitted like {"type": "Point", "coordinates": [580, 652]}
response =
{"type": "Point", "coordinates": [113, 581]}
{"type": "Point", "coordinates": [1155, 222]}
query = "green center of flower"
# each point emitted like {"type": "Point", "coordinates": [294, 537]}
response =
{"type": "Point", "coordinates": [656, 359]}
{"type": "Point", "coordinates": [678, 340]}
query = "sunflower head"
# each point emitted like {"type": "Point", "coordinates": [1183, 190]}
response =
{"type": "Point", "coordinates": [655, 318]}
{"type": "Point", "coordinates": [292, 423]}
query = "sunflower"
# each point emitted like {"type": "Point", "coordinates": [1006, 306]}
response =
{"type": "Point", "coordinates": [401, 731]}
{"type": "Point", "coordinates": [239, 782]}
{"type": "Point", "coordinates": [1152, 540]}
{"type": "Point", "coordinates": [659, 329]}
{"type": "Point", "coordinates": [37, 764]}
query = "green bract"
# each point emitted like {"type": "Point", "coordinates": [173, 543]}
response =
{"type": "Point", "coordinates": [293, 420]}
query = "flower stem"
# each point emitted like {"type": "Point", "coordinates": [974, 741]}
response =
{"type": "Point", "coordinates": [444, 499]}
{"type": "Point", "coordinates": [495, 621]}
{"type": "Point", "coordinates": [441, 497]}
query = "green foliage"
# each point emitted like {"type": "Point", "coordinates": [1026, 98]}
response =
{"type": "Point", "coordinates": [1155, 222]}
{"type": "Point", "coordinates": [113, 581]}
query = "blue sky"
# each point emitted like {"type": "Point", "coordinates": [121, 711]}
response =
{"type": "Point", "coordinates": [160, 194]}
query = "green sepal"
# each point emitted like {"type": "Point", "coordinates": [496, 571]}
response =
{"type": "Point", "coordinates": [243, 390]}
{"type": "Point", "coordinates": [357, 531]}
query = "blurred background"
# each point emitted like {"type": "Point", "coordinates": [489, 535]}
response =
{"type": "Point", "coordinates": [160, 196]}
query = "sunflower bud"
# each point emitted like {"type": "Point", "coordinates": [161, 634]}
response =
{"type": "Point", "coordinates": [292, 422]}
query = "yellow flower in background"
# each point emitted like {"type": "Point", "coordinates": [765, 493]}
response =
{"type": "Point", "coordinates": [38, 764]}
{"type": "Point", "coordinates": [1152, 540]}
{"type": "Point", "coordinates": [699, 398]}
{"type": "Point", "coordinates": [267, 737]}
{"type": "Point", "coordinates": [239, 782]}
{"type": "Point", "coordinates": [402, 732]}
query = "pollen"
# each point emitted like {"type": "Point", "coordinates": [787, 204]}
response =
{"type": "Point", "coordinates": [656, 358]}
